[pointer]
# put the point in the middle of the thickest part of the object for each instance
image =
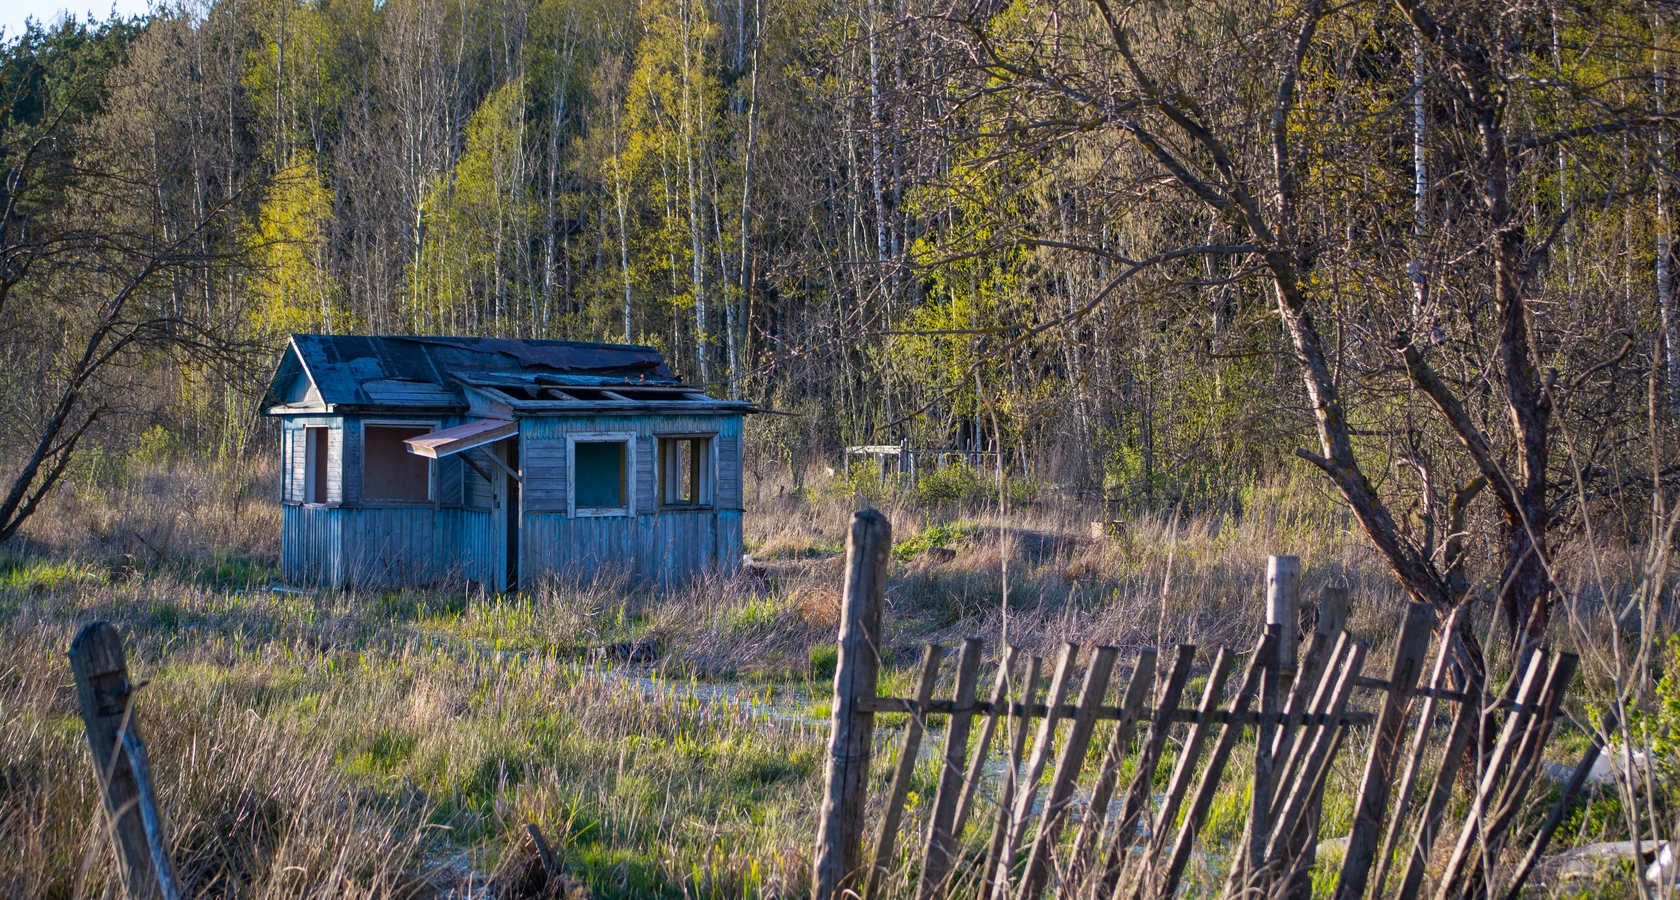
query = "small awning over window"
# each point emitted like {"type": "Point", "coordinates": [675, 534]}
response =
{"type": "Point", "coordinates": [443, 442]}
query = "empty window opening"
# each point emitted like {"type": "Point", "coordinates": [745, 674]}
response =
{"type": "Point", "coordinates": [389, 471]}
{"type": "Point", "coordinates": [315, 465]}
{"type": "Point", "coordinates": [598, 475]}
{"type": "Point", "coordinates": [685, 471]}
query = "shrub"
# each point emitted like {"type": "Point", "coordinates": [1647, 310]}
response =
{"type": "Point", "coordinates": [156, 449]}
{"type": "Point", "coordinates": [942, 535]}
{"type": "Point", "coordinates": [951, 484]}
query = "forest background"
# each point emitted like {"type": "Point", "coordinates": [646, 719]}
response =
{"type": "Point", "coordinates": [1386, 285]}
{"type": "Point", "coordinates": [893, 220]}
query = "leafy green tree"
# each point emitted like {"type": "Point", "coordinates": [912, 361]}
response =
{"type": "Point", "coordinates": [295, 290]}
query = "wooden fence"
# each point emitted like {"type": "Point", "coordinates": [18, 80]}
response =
{"type": "Point", "coordinates": [1009, 834]}
{"type": "Point", "coordinates": [106, 698]}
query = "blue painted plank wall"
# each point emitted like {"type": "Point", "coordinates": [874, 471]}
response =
{"type": "Point", "coordinates": [389, 547]}
{"type": "Point", "coordinates": [664, 546]}
{"type": "Point", "coordinates": [342, 545]}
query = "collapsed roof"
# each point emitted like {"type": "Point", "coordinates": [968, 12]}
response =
{"type": "Point", "coordinates": [369, 373]}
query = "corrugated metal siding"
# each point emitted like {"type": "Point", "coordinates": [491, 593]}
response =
{"type": "Point", "coordinates": [730, 545]}
{"type": "Point", "coordinates": [341, 547]}
{"type": "Point", "coordinates": [309, 545]}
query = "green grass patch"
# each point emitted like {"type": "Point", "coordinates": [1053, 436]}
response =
{"type": "Point", "coordinates": [31, 574]}
{"type": "Point", "coordinates": [942, 535]}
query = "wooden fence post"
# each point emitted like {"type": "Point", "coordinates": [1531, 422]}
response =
{"type": "Point", "coordinates": [1283, 618]}
{"type": "Point", "coordinates": [1283, 603]}
{"type": "Point", "coordinates": [105, 696]}
{"type": "Point", "coordinates": [840, 827]}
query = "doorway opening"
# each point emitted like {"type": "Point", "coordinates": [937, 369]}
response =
{"type": "Point", "coordinates": [511, 509]}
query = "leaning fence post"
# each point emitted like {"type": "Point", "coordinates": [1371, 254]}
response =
{"type": "Point", "coordinates": [105, 694]}
{"type": "Point", "coordinates": [840, 828]}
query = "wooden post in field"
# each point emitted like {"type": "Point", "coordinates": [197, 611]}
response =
{"type": "Point", "coordinates": [1283, 603]}
{"type": "Point", "coordinates": [840, 827]}
{"type": "Point", "coordinates": [104, 693]}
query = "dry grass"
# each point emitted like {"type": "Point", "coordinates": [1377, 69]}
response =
{"type": "Point", "coordinates": [394, 744]}
{"type": "Point", "coordinates": [386, 746]}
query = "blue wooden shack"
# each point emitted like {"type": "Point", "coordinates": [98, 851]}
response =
{"type": "Point", "coordinates": [417, 460]}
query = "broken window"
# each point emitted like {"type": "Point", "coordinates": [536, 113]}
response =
{"type": "Point", "coordinates": [389, 471]}
{"type": "Point", "coordinates": [599, 473]}
{"type": "Point", "coordinates": [685, 470]}
{"type": "Point", "coordinates": [315, 465]}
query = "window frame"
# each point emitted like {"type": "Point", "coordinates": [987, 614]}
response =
{"type": "Point", "coordinates": [317, 466]}
{"type": "Point", "coordinates": [707, 475]}
{"type": "Point", "coordinates": [628, 439]}
{"type": "Point", "coordinates": [431, 500]}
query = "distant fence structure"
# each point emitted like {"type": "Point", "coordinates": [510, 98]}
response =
{"type": "Point", "coordinates": [1135, 842]}
{"type": "Point", "coordinates": [908, 462]}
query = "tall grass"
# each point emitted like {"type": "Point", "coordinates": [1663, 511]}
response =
{"type": "Point", "coordinates": [396, 743]}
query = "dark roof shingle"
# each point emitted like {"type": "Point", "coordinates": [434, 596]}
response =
{"type": "Point", "coordinates": [416, 372]}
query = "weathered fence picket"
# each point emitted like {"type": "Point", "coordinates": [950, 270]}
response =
{"type": "Point", "coordinates": [1067, 769]}
{"type": "Point", "coordinates": [900, 789]}
{"type": "Point", "coordinates": [1090, 827]}
{"type": "Point", "coordinates": [942, 836]}
{"type": "Point", "coordinates": [1369, 809]}
{"type": "Point", "coordinates": [106, 697]}
{"type": "Point", "coordinates": [1043, 840]}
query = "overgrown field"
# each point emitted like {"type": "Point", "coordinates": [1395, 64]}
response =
{"type": "Point", "coordinates": [388, 744]}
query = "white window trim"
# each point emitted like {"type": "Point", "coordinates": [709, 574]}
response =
{"type": "Point", "coordinates": [431, 464]}
{"type": "Point", "coordinates": [587, 437]}
{"type": "Point", "coordinates": [312, 463]}
{"type": "Point", "coordinates": [286, 479]}
{"type": "Point", "coordinates": [708, 477]}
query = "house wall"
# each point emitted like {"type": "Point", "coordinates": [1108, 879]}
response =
{"type": "Point", "coordinates": [665, 546]}
{"type": "Point", "coordinates": [344, 543]}
{"type": "Point", "coordinates": [339, 546]}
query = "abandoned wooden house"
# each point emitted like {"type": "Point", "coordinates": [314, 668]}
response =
{"type": "Point", "coordinates": [416, 460]}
